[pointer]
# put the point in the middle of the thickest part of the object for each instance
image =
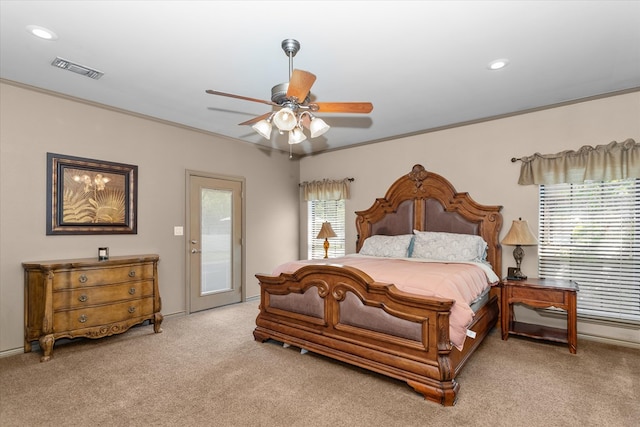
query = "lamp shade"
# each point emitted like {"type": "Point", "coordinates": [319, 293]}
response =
{"type": "Point", "coordinates": [318, 127]}
{"type": "Point", "coordinates": [285, 119]}
{"type": "Point", "coordinates": [326, 231]}
{"type": "Point", "coordinates": [520, 234]}
{"type": "Point", "coordinates": [263, 127]}
{"type": "Point", "coordinates": [296, 136]}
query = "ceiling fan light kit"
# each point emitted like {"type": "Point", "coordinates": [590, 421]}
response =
{"type": "Point", "coordinates": [294, 103]}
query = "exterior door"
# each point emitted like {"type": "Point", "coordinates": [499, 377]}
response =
{"type": "Point", "coordinates": [215, 241]}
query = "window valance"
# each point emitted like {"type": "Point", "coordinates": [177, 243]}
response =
{"type": "Point", "coordinates": [326, 189]}
{"type": "Point", "coordinates": [616, 160]}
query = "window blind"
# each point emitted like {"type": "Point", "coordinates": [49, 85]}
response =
{"type": "Point", "coordinates": [331, 211]}
{"type": "Point", "coordinates": [590, 233]}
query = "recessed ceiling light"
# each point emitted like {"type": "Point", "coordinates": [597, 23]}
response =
{"type": "Point", "coordinates": [41, 32]}
{"type": "Point", "coordinates": [498, 64]}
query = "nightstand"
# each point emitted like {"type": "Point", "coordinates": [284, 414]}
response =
{"type": "Point", "coordinates": [540, 293]}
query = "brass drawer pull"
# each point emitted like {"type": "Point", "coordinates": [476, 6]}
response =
{"type": "Point", "coordinates": [132, 291]}
{"type": "Point", "coordinates": [83, 318]}
{"type": "Point", "coordinates": [132, 273]}
{"type": "Point", "coordinates": [82, 298]}
{"type": "Point", "coordinates": [83, 278]}
{"type": "Point", "coordinates": [132, 310]}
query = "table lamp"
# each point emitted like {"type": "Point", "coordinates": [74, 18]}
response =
{"type": "Point", "coordinates": [519, 235]}
{"type": "Point", "coordinates": [325, 232]}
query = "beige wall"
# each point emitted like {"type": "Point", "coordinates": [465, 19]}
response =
{"type": "Point", "coordinates": [476, 159]}
{"type": "Point", "coordinates": [33, 123]}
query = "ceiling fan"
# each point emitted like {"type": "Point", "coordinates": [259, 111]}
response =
{"type": "Point", "coordinates": [295, 109]}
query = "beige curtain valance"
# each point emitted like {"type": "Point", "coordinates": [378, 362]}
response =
{"type": "Point", "coordinates": [616, 160]}
{"type": "Point", "coordinates": [326, 189]}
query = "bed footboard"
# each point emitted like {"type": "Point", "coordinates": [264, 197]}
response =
{"type": "Point", "coordinates": [340, 312]}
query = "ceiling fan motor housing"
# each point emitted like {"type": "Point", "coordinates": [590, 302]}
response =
{"type": "Point", "coordinates": [279, 94]}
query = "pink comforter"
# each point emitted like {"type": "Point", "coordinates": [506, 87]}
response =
{"type": "Point", "coordinates": [460, 282]}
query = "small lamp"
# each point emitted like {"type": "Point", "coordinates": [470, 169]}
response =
{"type": "Point", "coordinates": [285, 119]}
{"type": "Point", "coordinates": [296, 136]}
{"type": "Point", "coordinates": [325, 232]}
{"type": "Point", "coordinates": [263, 127]}
{"type": "Point", "coordinates": [317, 126]}
{"type": "Point", "coordinates": [519, 235]}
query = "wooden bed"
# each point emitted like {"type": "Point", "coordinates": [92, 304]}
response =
{"type": "Point", "coordinates": [401, 335]}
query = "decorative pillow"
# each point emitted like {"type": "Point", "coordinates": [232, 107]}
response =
{"type": "Point", "coordinates": [387, 246]}
{"type": "Point", "coordinates": [449, 246]}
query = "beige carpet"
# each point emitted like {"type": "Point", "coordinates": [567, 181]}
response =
{"type": "Point", "coordinates": [206, 370]}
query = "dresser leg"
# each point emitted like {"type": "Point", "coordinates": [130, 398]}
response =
{"type": "Point", "coordinates": [46, 344]}
{"type": "Point", "coordinates": [157, 320]}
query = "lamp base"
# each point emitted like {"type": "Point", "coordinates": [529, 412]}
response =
{"type": "Point", "coordinates": [515, 274]}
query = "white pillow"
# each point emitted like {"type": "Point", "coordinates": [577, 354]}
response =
{"type": "Point", "coordinates": [449, 246]}
{"type": "Point", "coordinates": [387, 246]}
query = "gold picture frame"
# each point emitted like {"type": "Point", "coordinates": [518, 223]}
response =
{"type": "Point", "coordinates": [87, 196]}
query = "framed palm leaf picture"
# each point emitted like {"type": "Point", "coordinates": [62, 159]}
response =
{"type": "Point", "coordinates": [86, 196]}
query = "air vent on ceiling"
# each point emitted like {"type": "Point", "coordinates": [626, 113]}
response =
{"type": "Point", "coordinates": [77, 68]}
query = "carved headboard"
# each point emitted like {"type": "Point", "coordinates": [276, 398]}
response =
{"type": "Point", "coordinates": [426, 201]}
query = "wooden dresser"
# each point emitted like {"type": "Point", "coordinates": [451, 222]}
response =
{"type": "Point", "coordinates": [88, 298]}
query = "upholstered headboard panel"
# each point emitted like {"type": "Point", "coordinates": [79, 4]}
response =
{"type": "Point", "coordinates": [426, 201]}
{"type": "Point", "coordinates": [434, 218]}
{"type": "Point", "coordinates": [398, 222]}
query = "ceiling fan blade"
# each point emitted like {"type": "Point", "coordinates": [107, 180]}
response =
{"type": "Point", "coordinates": [255, 119]}
{"type": "Point", "coordinates": [343, 107]}
{"type": "Point", "coordinates": [300, 84]}
{"type": "Point", "coordinates": [230, 95]}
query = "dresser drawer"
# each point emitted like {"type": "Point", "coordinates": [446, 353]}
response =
{"type": "Point", "coordinates": [101, 315]}
{"type": "Point", "coordinates": [85, 297]}
{"type": "Point", "coordinates": [77, 278]}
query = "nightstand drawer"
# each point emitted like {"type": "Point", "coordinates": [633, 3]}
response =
{"type": "Point", "coordinates": [531, 294]}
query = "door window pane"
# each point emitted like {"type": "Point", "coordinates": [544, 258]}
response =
{"type": "Point", "coordinates": [216, 229]}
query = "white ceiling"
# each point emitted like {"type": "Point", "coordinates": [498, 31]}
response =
{"type": "Point", "coordinates": [423, 64]}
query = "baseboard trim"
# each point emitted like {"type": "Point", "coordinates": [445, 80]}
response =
{"type": "Point", "coordinates": [612, 341]}
{"type": "Point", "coordinates": [11, 352]}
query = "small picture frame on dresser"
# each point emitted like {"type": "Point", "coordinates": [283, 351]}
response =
{"type": "Point", "coordinates": [103, 254]}
{"type": "Point", "coordinates": [87, 196]}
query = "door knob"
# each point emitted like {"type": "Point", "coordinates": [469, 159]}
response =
{"type": "Point", "coordinates": [193, 242]}
{"type": "Point", "coordinates": [195, 251]}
